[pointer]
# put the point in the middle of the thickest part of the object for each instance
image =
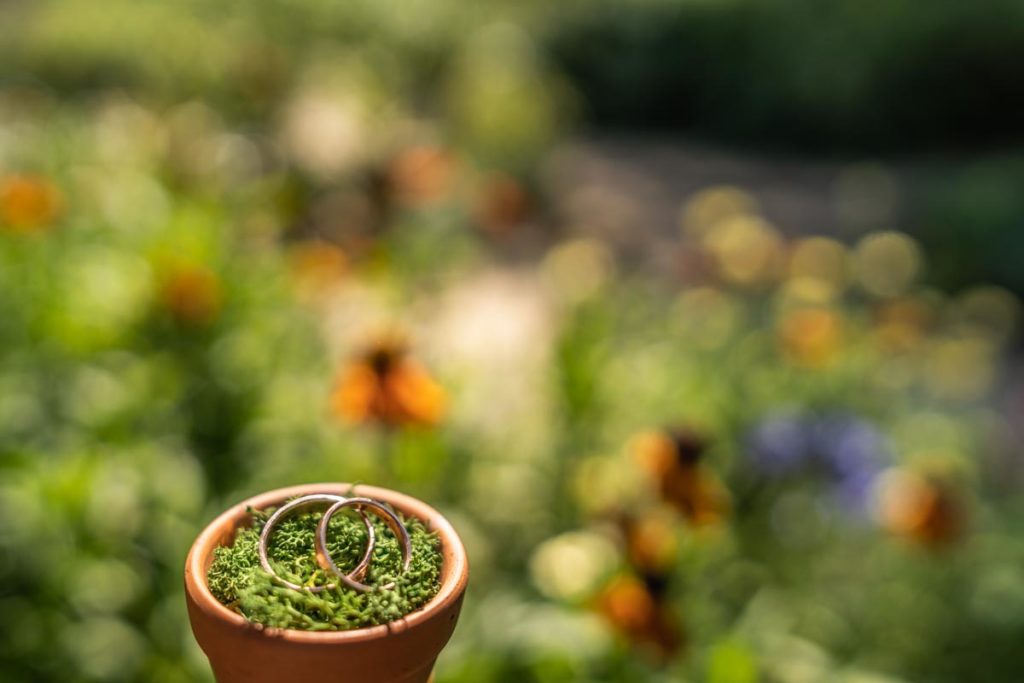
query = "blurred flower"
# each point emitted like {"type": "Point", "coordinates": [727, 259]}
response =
{"type": "Point", "coordinates": [578, 269]}
{"type": "Point", "coordinates": [651, 542]}
{"type": "Point", "coordinates": [502, 203]}
{"type": "Point", "coordinates": [479, 327]}
{"type": "Point", "coordinates": [821, 264]}
{"type": "Point", "coordinates": [639, 615]}
{"type": "Point", "coordinates": [887, 263]}
{"type": "Point", "coordinates": [422, 174]}
{"type": "Point", "coordinates": [960, 368]}
{"type": "Point", "coordinates": [747, 249]}
{"type": "Point", "coordinates": [317, 265]}
{"type": "Point", "coordinates": [326, 133]}
{"type": "Point", "coordinates": [384, 384]}
{"type": "Point", "coordinates": [28, 203]}
{"type": "Point", "coordinates": [672, 459]}
{"type": "Point", "coordinates": [811, 337]}
{"type": "Point", "coordinates": [917, 507]}
{"type": "Point", "coordinates": [854, 452]}
{"type": "Point", "coordinates": [191, 293]}
{"type": "Point", "coordinates": [573, 565]}
{"type": "Point", "coordinates": [127, 134]}
{"type": "Point", "coordinates": [780, 443]}
{"type": "Point", "coordinates": [900, 324]}
{"type": "Point", "coordinates": [712, 205]}
{"type": "Point", "coordinates": [605, 485]}
{"type": "Point", "coordinates": [987, 311]}
{"type": "Point", "coordinates": [846, 450]}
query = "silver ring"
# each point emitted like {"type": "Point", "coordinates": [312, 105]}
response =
{"type": "Point", "coordinates": [303, 502]}
{"type": "Point", "coordinates": [401, 533]}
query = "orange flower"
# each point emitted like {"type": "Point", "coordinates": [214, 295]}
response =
{"type": "Point", "coordinates": [28, 203]}
{"type": "Point", "coordinates": [811, 337]}
{"type": "Point", "coordinates": [385, 385]}
{"type": "Point", "coordinates": [919, 508]}
{"type": "Point", "coordinates": [651, 544]}
{"type": "Point", "coordinates": [634, 611]}
{"type": "Point", "coordinates": [422, 174]}
{"type": "Point", "coordinates": [192, 294]}
{"type": "Point", "coordinates": [673, 462]}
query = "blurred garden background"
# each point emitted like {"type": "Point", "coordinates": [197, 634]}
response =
{"type": "Point", "coordinates": [698, 319]}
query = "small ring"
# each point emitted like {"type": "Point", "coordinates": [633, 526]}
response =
{"type": "Point", "coordinates": [306, 501]}
{"type": "Point", "coordinates": [401, 533]}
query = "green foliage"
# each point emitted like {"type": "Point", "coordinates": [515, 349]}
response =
{"type": "Point", "coordinates": [837, 76]}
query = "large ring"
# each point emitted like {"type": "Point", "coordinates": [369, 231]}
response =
{"type": "Point", "coordinates": [307, 501]}
{"type": "Point", "coordinates": [324, 558]}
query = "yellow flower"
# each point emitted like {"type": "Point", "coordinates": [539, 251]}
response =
{"type": "Point", "coordinates": [811, 337]}
{"type": "Point", "coordinates": [317, 265]}
{"type": "Point", "coordinates": [747, 250]}
{"type": "Point", "coordinates": [384, 384]}
{"type": "Point", "coordinates": [28, 203]}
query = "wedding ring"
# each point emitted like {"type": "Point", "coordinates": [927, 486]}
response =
{"type": "Point", "coordinates": [302, 503]}
{"type": "Point", "coordinates": [361, 504]}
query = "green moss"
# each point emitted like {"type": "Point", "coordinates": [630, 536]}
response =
{"type": "Point", "coordinates": [238, 581]}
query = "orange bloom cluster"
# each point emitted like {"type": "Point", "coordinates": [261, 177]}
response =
{"type": "Point", "coordinates": [634, 603]}
{"type": "Point", "coordinates": [384, 384]}
{"type": "Point", "coordinates": [650, 543]}
{"type": "Point", "coordinates": [28, 203]}
{"type": "Point", "coordinates": [636, 610]}
{"type": "Point", "coordinates": [673, 460]}
{"type": "Point", "coordinates": [921, 509]}
{"type": "Point", "coordinates": [192, 294]}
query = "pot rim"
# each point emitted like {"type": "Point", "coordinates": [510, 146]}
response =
{"type": "Point", "coordinates": [453, 578]}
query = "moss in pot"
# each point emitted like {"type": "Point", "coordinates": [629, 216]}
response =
{"type": "Point", "coordinates": [236, 579]}
{"type": "Point", "coordinates": [254, 629]}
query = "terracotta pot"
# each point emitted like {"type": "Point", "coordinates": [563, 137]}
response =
{"type": "Point", "coordinates": [400, 652]}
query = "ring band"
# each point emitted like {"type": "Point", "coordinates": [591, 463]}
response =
{"type": "Point", "coordinates": [360, 504]}
{"type": "Point", "coordinates": [307, 501]}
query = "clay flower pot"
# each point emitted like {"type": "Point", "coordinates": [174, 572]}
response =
{"type": "Point", "coordinates": [400, 652]}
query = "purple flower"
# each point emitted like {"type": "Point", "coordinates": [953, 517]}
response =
{"type": "Point", "coordinates": [847, 451]}
{"type": "Point", "coordinates": [848, 445]}
{"type": "Point", "coordinates": [853, 492]}
{"type": "Point", "coordinates": [780, 444]}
